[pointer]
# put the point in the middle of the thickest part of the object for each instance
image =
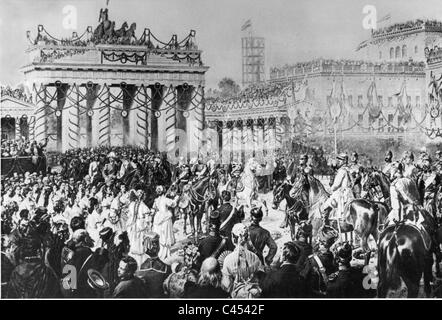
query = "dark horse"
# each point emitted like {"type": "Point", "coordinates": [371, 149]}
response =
{"type": "Point", "coordinates": [295, 210]}
{"type": "Point", "coordinates": [404, 254]}
{"type": "Point", "coordinates": [376, 186]}
{"type": "Point", "coordinates": [201, 195]}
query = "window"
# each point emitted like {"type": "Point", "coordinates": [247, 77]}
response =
{"type": "Point", "coordinates": [380, 54]}
{"type": "Point", "coordinates": [418, 101]}
{"type": "Point", "coordinates": [398, 52]}
{"type": "Point", "coordinates": [390, 102]}
{"type": "Point", "coordinates": [350, 100]}
{"type": "Point", "coordinates": [381, 125]}
{"type": "Point", "coordinates": [390, 121]}
{"type": "Point", "coordinates": [360, 118]}
{"type": "Point", "coordinates": [380, 100]}
{"type": "Point", "coordinates": [399, 124]}
{"type": "Point", "coordinates": [391, 53]}
{"type": "Point", "coordinates": [404, 51]}
{"type": "Point", "coordinates": [416, 49]}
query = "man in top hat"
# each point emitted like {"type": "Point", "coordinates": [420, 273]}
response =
{"type": "Point", "coordinates": [403, 191]}
{"type": "Point", "coordinates": [347, 281]}
{"type": "Point", "coordinates": [429, 182]}
{"type": "Point", "coordinates": [286, 281]}
{"type": "Point", "coordinates": [388, 163]}
{"type": "Point", "coordinates": [341, 189]}
{"type": "Point", "coordinates": [260, 238]}
{"type": "Point", "coordinates": [153, 271]}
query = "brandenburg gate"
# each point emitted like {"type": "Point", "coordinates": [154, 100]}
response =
{"type": "Point", "coordinates": [108, 87]}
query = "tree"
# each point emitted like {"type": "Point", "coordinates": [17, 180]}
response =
{"type": "Point", "coordinates": [228, 87]}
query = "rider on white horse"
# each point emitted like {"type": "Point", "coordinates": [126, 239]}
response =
{"type": "Point", "coordinates": [341, 190]}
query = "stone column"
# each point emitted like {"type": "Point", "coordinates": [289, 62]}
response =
{"type": "Point", "coordinates": [40, 113]}
{"type": "Point", "coordinates": [279, 132]}
{"type": "Point", "coordinates": [31, 124]}
{"type": "Point", "coordinates": [236, 147]}
{"type": "Point", "coordinates": [226, 142]}
{"type": "Point", "coordinates": [17, 128]}
{"type": "Point", "coordinates": [170, 114]}
{"type": "Point", "coordinates": [255, 136]}
{"type": "Point", "coordinates": [261, 145]}
{"type": "Point", "coordinates": [248, 138]}
{"type": "Point", "coordinates": [266, 129]}
{"type": "Point", "coordinates": [195, 127]}
{"type": "Point", "coordinates": [141, 116]}
{"type": "Point", "coordinates": [104, 129]}
{"type": "Point", "coordinates": [271, 134]}
{"type": "Point", "coordinates": [71, 136]}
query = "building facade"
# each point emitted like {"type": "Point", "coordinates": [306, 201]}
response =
{"type": "Point", "coordinates": [381, 97]}
{"type": "Point", "coordinates": [110, 87]}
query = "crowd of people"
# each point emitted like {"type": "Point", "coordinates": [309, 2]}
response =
{"type": "Point", "coordinates": [109, 213]}
{"type": "Point", "coordinates": [20, 148]}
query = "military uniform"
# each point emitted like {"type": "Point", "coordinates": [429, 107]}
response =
{"type": "Point", "coordinates": [318, 267]}
{"type": "Point", "coordinates": [341, 190]}
{"type": "Point", "coordinates": [346, 283]}
{"type": "Point", "coordinates": [259, 239]}
{"type": "Point", "coordinates": [403, 191]}
{"type": "Point", "coordinates": [429, 183]}
{"type": "Point", "coordinates": [355, 175]}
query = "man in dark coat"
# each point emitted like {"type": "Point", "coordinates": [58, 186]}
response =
{"type": "Point", "coordinates": [153, 272]}
{"type": "Point", "coordinates": [347, 281]}
{"type": "Point", "coordinates": [303, 236]}
{"type": "Point", "coordinates": [32, 278]}
{"type": "Point", "coordinates": [260, 238]}
{"type": "Point", "coordinates": [228, 216]}
{"type": "Point", "coordinates": [130, 286]}
{"type": "Point", "coordinates": [321, 264]}
{"type": "Point", "coordinates": [213, 244]}
{"type": "Point", "coordinates": [285, 282]}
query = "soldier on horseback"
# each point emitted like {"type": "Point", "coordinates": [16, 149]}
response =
{"type": "Point", "coordinates": [388, 163]}
{"type": "Point", "coordinates": [429, 181]}
{"type": "Point", "coordinates": [198, 168]}
{"type": "Point", "coordinates": [403, 191]}
{"type": "Point", "coordinates": [341, 190]}
{"type": "Point", "coordinates": [355, 175]}
{"type": "Point", "coordinates": [410, 170]}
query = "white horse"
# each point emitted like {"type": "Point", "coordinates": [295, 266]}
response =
{"type": "Point", "coordinates": [247, 186]}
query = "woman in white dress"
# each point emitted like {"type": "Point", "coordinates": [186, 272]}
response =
{"type": "Point", "coordinates": [162, 222]}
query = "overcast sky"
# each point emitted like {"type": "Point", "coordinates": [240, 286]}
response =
{"type": "Point", "coordinates": [294, 30]}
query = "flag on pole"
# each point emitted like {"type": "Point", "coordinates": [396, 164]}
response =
{"type": "Point", "coordinates": [246, 25]}
{"type": "Point", "coordinates": [385, 18]}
